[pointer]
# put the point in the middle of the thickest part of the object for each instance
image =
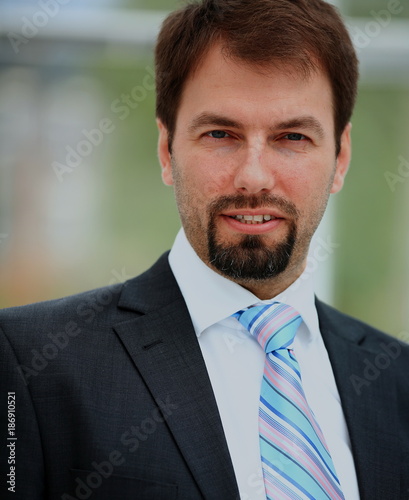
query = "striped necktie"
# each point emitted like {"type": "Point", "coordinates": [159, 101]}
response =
{"type": "Point", "coordinates": [295, 459]}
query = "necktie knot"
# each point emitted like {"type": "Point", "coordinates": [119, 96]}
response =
{"type": "Point", "coordinates": [273, 325]}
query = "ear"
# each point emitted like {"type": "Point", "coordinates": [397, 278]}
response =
{"type": "Point", "coordinates": [343, 160]}
{"type": "Point", "coordinates": [164, 154]}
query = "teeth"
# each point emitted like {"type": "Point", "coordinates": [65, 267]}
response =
{"type": "Point", "coordinates": [253, 219]}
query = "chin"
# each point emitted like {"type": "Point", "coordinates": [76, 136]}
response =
{"type": "Point", "coordinates": [251, 259]}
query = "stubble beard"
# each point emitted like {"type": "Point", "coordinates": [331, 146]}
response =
{"type": "Point", "coordinates": [251, 260]}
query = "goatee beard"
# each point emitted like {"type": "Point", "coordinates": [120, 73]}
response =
{"type": "Point", "coordinates": [251, 259]}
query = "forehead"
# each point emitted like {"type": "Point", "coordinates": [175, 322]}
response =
{"type": "Point", "coordinates": [223, 84]}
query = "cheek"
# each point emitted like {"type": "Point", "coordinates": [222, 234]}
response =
{"type": "Point", "coordinates": [313, 201]}
{"type": "Point", "coordinates": [308, 190]}
{"type": "Point", "coordinates": [312, 177]}
{"type": "Point", "coordinates": [209, 179]}
{"type": "Point", "coordinates": [217, 185]}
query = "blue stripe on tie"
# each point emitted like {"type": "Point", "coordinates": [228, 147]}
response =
{"type": "Point", "coordinates": [255, 318]}
{"type": "Point", "coordinates": [292, 480]}
{"type": "Point", "coordinates": [268, 318]}
{"type": "Point", "coordinates": [284, 414]}
{"type": "Point", "coordinates": [314, 484]}
{"type": "Point", "coordinates": [287, 325]}
{"type": "Point", "coordinates": [285, 345]}
{"type": "Point", "coordinates": [274, 388]}
{"type": "Point", "coordinates": [296, 407]}
{"type": "Point", "coordinates": [292, 424]}
{"type": "Point", "coordinates": [302, 433]}
{"type": "Point", "coordinates": [323, 466]}
{"type": "Point", "coordinates": [287, 376]}
{"type": "Point", "coordinates": [276, 481]}
{"type": "Point", "coordinates": [277, 354]}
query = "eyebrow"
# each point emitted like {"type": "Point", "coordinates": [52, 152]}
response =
{"type": "Point", "coordinates": [211, 119]}
{"type": "Point", "coordinates": [206, 119]}
{"type": "Point", "coordinates": [308, 122]}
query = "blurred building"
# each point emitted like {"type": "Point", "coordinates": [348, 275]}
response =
{"type": "Point", "coordinates": [81, 201]}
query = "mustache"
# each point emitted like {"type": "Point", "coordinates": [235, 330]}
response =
{"type": "Point", "coordinates": [240, 201]}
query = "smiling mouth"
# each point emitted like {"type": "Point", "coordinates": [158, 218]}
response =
{"type": "Point", "coordinates": [253, 219]}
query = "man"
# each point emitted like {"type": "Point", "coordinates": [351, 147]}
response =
{"type": "Point", "coordinates": [151, 390]}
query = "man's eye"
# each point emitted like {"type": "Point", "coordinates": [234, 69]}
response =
{"type": "Point", "coordinates": [218, 134]}
{"type": "Point", "coordinates": [294, 137]}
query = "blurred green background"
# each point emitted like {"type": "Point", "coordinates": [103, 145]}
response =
{"type": "Point", "coordinates": [110, 217]}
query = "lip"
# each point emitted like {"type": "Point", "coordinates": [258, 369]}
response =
{"type": "Point", "coordinates": [259, 211]}
{"type": "Point", "coordinates": [239, 227]}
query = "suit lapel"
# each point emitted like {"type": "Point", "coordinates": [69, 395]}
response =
{"type": "Point", "coordinates": [368, 400]}
{"type": "Point", "coordinates": [165, 351]}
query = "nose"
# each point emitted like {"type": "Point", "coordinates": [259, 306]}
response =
{"type": "Point", "coordinates": [254, 174]}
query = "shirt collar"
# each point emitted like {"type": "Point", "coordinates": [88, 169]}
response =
{"type": "Point", "coordinates": [210, 297]}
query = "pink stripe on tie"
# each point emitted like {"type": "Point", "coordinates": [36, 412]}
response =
{"type": "Point", "coordinates": [289, 432]}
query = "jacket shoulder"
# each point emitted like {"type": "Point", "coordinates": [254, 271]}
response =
{"type": "Point", "coordinates": [333, 321]}
{"type": "Point", "coordinates": [55, 309]}
{"type": "Point", "coordinates": [94, 309]}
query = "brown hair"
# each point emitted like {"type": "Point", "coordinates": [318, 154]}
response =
{"type": "Point", "coordinates": [303, 34]}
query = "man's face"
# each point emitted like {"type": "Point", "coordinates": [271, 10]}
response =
{"type": "Point", "coordinates": [253, 163]}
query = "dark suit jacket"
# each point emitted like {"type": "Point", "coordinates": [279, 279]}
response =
{"type": "Point", "coordinates": [113, 400]}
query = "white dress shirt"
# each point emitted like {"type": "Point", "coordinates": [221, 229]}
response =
{"type": "Point", "coordinates": [235, 363]}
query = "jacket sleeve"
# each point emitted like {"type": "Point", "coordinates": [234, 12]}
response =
{"type": "Point", "coordinates": [21, 455]}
